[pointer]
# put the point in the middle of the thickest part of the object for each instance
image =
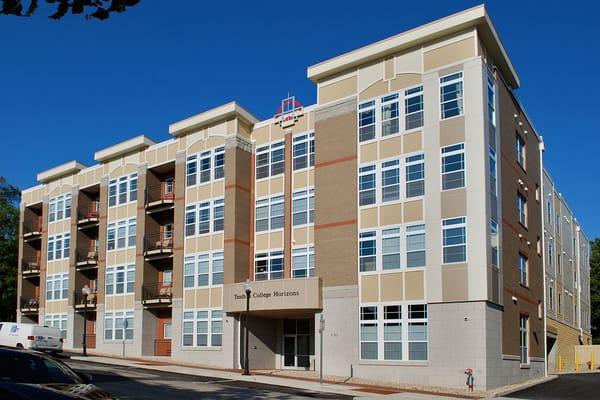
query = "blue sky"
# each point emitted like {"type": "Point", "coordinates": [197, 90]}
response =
{"type": "Point", "coordinates": [72, 87]}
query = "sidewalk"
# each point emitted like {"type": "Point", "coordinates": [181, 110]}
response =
{"type": "Point", "coordinates": [361, 391]}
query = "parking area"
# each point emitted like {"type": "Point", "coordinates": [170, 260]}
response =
{"type": "Point", "coordinates": [582, 386]}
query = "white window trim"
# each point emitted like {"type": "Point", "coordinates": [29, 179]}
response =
{"type": "Point", "coordinates": [116, 269]}
{"type": "Point", "coordinates": [269, 148]}
{"type": "Point", "coordinates": [525, 272]}
{"type": "Point", "coordinates": [57, 321]}
{"type": "Point", "coordinates": [114, 315]}
{"type": "Point", "coordinates": [269, 201]}
{"type": "Point", "coordinates": [306, 252]}
{"type": "Point", "coordinates": [195, 159]}
{"type": "Point", "coordinates": [211, 206]}
{"type": "Point", "coordinates": [527, 343]}
{"type": "Point", "coordinates": [442, 84]}
{"type": "Point", "coordinates": [115, 225]}
{"type": "Point", "coordinates": [464, 169]}
{"type": "Point", "coordinates": [62, 238]}
{"type": "Point", "coordinates": [128, 179]}
{"type": "Point", "coordinates": [60, 278]}
{"type": "Point", "coordinates": [522, 206]}
{"type": "Point", "coordinates": [306, 138]}
{"type": "Point", "coordinates": [456, 225]}
{"type": "Point", "coordinates": [67, 203]}
{"type": "Point", "coordinates": [271, 255]}
{"type": "Point", "coordinates": [209, 332]}
{"type": "Point", "coordinates": [197, 257]}
{"type": "Point", "coordinates": [306, 194]}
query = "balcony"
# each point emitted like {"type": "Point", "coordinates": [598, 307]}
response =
{"type": "Point", "coordinates": [30, 268]}
{"type": "Point", "coordinates": [32, 230]}
{"type": "Point", "coordinates": [30, 305]}
{"type": "Point", "coordinates": [157, 294]}
{"type": "Point", "coordinates": [160, 197]}
{"type": "Point", "coordinates": [86, 260]}
{"type": "Point", "coordinates": [158, 245]}
{"type": "Point", "coordinates": [88, 215]}
{"type": "Point", "coordinates": [79, 302]}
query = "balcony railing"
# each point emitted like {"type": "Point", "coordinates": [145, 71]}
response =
{"type": "Point", "coordinates": [157, 293]}
{"type": "Point", "coordinates": [158, 244]}
{"type": "Point", "coordinates": [30, 304]}
{"type": "Point", "coordinates": [79, 300]}
{"type": "Point", "coordinates": [32, 229]}
{"type": "Point", "coordinates": [162, 194]}
{"type": "Point", "coordinates": [88, 213]}
{"type": "Point", "coordinates": [87, 258]}
{"type": "Point", "coordinates": [30, 267]}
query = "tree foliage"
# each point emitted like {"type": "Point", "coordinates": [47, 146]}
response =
{"type": "Point", "coordinates": [98, 9]}
{"type": "Point", "coordinates": [595, 287]}
{"type": "Point", "coordinates": [9, 249]}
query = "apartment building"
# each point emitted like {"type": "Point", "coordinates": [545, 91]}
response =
{"type": "Point", "coordinates": [397, 221]}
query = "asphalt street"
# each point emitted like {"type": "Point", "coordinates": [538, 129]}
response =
{"type": "Point", "coordinates": [571, 386]}
{"type": "Point", "coordinates": [136, 383]}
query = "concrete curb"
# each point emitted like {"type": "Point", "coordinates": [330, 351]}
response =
{"type": "Point", "coordinates": [515, 388]}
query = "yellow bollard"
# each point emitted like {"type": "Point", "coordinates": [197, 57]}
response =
{"type": "Point", "coordinates": [576, 362]}
{"type": "Point", "coordinates": [560, 364]}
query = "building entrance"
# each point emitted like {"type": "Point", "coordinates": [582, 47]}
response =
{"type": "Point", "coordinates": [296, 343]}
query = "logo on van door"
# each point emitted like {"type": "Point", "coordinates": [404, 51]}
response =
{"type": "Point", "coordinates": [14, 329]}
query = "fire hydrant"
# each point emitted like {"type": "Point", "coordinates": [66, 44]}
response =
{"type": "Point", "coordinates": [589, 364]}
{"type": "Point", "coordinates": [470, 379]}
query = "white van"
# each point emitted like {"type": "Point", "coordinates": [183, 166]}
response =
{"type": "Point", "coordinates": [31, 337]}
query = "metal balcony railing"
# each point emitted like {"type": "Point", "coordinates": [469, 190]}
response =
{"type": "Point", "coordinates": [163, 193]}
{"type": "Point", "coordinates": [79, 300]}
{"type": "Point", "coordinates": [88, 212]}
{"type": "Point", "coordinates": [32, 228]}
{"type": "Point", "coordinates": [158, 243]}
{"type": "Point", "coordinates": [87, 257]}
{"type": "Point", "coordinates": [159, 292]}
{"type": "Point", "coordinates": [30, 266]}
{"type": "Point", "coordinates": [30, 304]}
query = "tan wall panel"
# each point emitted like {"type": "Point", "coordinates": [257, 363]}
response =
{"type": "Point", "coordinates": [300, 180]}
{"type": "Point", "coordinates": [261, 242]}
{"type": "Point", "coordinates": [403, 81]}
{"type": "Point", "coordinates": [276, 185]}
{"type": "Point", "coordinates": [204, 192]}
{"type": "Point", "coordinates": [452, 131]}
{"type": "Point", "coordinates": [218, 189]}
{"type": "Point", "coordinates": [377, 89]}
{"type": "Point", "coordinates": [202, 298]}
{"type": "Point", "coordinates": [391, 214]}
{"type": "Point", "coordinates": [217, 241]}
{"type": "Point", "coordinates": [197, 146]}
{"type": "Point", "coordinates": [391, 287]}
{"type": "Point", "coordinates": [454, 203]}
{"type": "Point", "coordinates": [413, 211]}
{"type": "Point", "coordinates": [216, 297]}
{"type": "Point", "coordinates": [261, 135]}
{"type": "Point", "coordinates": [128, 302]}
{"type": "Point", "coordinates": [300, 236]}
{"type": "Point", "coordinates": [337, 90]}
{"type": "Point", "coordinates": [277, 132]}
{"type": "Point", "coordinates": [368, 218]}
{"type": "Point", "coordinates": [410, 61]}
{"type": "Point", "coordinates": [390, 147]}
{"type": "Point", "coordinates": [449, 54]}
{"type": "Point", "coordinates": [189, 299]}
{"type": "Point", "coordinates": [262, 188]}
{"type": "Point", "coordinates": [455, 283]}
{"type": "Point", "coordinates": [369, 288]}
{"type": "Point", "coordinates": [414, 285]}
{"type": "Point", "coordinates": [389, 69]}
{"type": "Point", "coordinates": [277, 240]}
{"type": "Point", "coordinates": [413, 142]}
{"type": "Point", "coordinates": [368, 153]}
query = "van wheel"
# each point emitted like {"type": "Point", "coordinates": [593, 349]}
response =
{"type": "Point", "coordinates": [19, 346]}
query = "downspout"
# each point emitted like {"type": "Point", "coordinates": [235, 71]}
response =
{"type": "Point", "coordinates": [543, 238]}
{"type": "Point", "coordinates": [577, 254]}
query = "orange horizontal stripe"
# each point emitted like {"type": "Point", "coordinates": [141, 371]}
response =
{"type": "Point", "coordinates": [336, 161]}
{"type": "Point", "coordinates": [335, 224]}
{"type": "Point", "coordinates": [236, 186]}
{"type": "Point", "coordinates": [234, 240]}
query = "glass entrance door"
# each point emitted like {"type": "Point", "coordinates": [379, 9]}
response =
{"type": "Point", "coordinates": [296, 343]}
{"type": "Point", "coordinates": [289, 351]}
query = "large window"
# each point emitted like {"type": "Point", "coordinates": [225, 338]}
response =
{"type": "Point", "coordinates": [114, 325]}
{"type": "Point", "coordinates": [413, 107]}
{"type": "Point", "coordinates": [121, 234]}
{"type": "Point", "coordinates": [304, 151]}
{"type": "Point", "coordinates": [415, 246]}
{"type": "Point", "coordinates": [269, 213]}
{"type": "Point", "coordinates": [524, 338]}
{"type": "Point", "coordinates": [270, 160]}
{"type": "Point", "coordinates": [454, 240]}
{"type": "Point", "coordinates": [451, 95]}
{"type": "Point", "coordinates": [203, 270]}
{"type": "Point", "coordinates": [122, 190]}
{"type": "Point", "coordinates": [59, 208]}
{"type": "Point", "coordinates": [366, 121]}
{"type": "Point", "coordinates": [491, 100]}
{"type": "Point", "coordinates": [367, 190]}
{"type": "Point", "coordinates": [391, 248]}
{"type": "Point", "coordinates": [520, 149]}
{"type": "Point", "coordinates": [58, 321]}
{"type": "Point", "coordinates": [198, 217]}
{"type": "Point", "coordinates": [207, 165]}
{"type": "Point", "coordinates": [394, 332]}
{"type": "Point", "coordinates": [390, 115]}
{"type": "Point", "coordinates": [303, 261]}
{"type": "Point", "coordinates": [494, 239]}
{"type": "Point", "coordinates": [522, 209]}
{"type": "Point", "coordinates": [59, 247]}
{"type": "Point", "coordinates": [493, 173]}
{"type": "Point", "coordinates": [390, 180]}
{"type": "Point", "coordinates": [453, 166]}
{"type": "Point", "coordinates": [268, 266]}
{"type": "Point", "coordinates": [202, 328]}
{"type": "Point", "coordinates": [303, 207]}
{"type": "Point", "coordinates": [415, 175]}
{"type": "Point", "coordinates": [57, 287]}
{"type": "Point", "coordinates": [523, 269]}
{"type": "Point", "coordinates": [120, 279]}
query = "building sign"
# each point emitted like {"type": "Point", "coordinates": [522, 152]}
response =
{"type": "Point", "coordinates": [289, 112]}
{"type": "Point", "coordinates": [279, 294]}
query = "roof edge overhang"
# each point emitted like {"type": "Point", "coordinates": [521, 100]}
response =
{"type": "Point", "coordinates": [68, 168]}
{"type": "Point", "coordinates": [129, 146]}
{"type": "Point", "coordinates": [206, 118]}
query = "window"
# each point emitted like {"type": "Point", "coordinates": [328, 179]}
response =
{"type": "Point", "coordinates": [494, 240]}
{"type": "Point", "coordinates": [269, 213]}
{"type": "Point", "coordinates": [388, 332]}
{"type": "Point", "coordinates": [522, 209]}
{"type": "Point", "coordinates": [114, 325]}
{"type": "Point", "coordinates": [390, 180]}
{"type": "Point", "coordinates": [270, 160]}
{"type": "Point", "coordinates": [453, 166]}
{"type": "Point", "coordinates": [198, 217]}
{"type": "Point", "coordinates": [524, 338]}
{"type": "Point", "coordinates": [268, 266]}
{"type": "Point", "coordinates": [454, 240]}
{"type": "Point", "coordinates": [122, 190]}
{"type": "Point", "coordinates": [560, 303]}
{"type": "Point", "coordinates": [120, 279]}
{"type": "Point", "coordinates": [523, 269]}
{"type": "Point", "coordinates": [451, 95]}
{"type": "Point", "coordinates": [303, 207]}
{"type": "Point", "coordinates": [390, 115]}
{"type": "Point", "coordinates": [203, 270]}
{"type": "Point", "coordinates": [367, 251]}
{"type": "Point", "coordinates": [202, 328]}
{"type": "Point", "coordinates": [210, 163]}
{"type": "Point", "coordinates": [413, 107]}
{"type": "Point", "coordinates": [59, 208]}
{"type": "Point", "coordinates": [303, 262]}
{"type": "Point", "coordinates": [366, 121]}
{"type": "Point", "coordinates": [550, 254]}
{"type": "Point", "coordinates": [493, 173]}
{"type": "Point", "coordinates": [304, 151]}
{"type": "Point", "coordinates": [415, 175]}
{"type": "Point", "coordinates": [520, 148]}
{"type": "Point", "coordinates": [551, 297]}
{"type": "Point", "coordinates": [491, 100]}
{"type": "Point", "coordinates": [59, 247]}
{"type": "Point", "coordinates": [121, 234]}
{"type": "Point", "coordinates": [390, 248]}
{"type": "Point", "coordinates": [58, 321]}
{"type": "Point", "coordinates": [57, 287]}
{"type": "Point", "coordinates": [415, 246]}
{"type": "Point", "coordinates": [366, 185]}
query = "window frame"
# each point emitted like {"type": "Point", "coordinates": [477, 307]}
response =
{"type": "Point", "coordinates": [524, 342]}
{"type": "Point", "coordinates": [119, 315]}
{"type": "Point", "coordinates": [57, 287]}
{"type": "Point", "coordinates": [455, 223]}
{"type": "Point", "coordinates": [65, 202]}
{"type": "Point", "coordinates": [269, 257]}
{"type": "Point", "coordinates": [214, 268]}
{"type": "Point", "coordinates": [306, 141]}
{"type": "Point", "coordinates": [523, 266]}
{"type": "Point", "coordinates": [127, 274]}
{"type": "Point", "coordinates": [264, 157]}
{"type": "Point", "coordinates": [129, 229]}
{"type": "Point", "coordinates": [271, 202]}
{"type": "Point", "coordinates": [60, 243]}
{"type": "Point", "coordinates": [522, 209]}
{"type": "Point", "coordinates": [307, 254]}
{"type": "Point", "coordinates": [115, 191]}
{"type": "Point", "coordinates": [211, 161]}
{"type": "Point", "coordinates": [460, 97]}
{"type": "Point", "coordinates": [213, 318]}
{"type": "Point", "coordinates": [449, 151]}
{"type": "Point", "coordinates": [200, 219]}
{"type": "Point", "coordinates": [307, 197]}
